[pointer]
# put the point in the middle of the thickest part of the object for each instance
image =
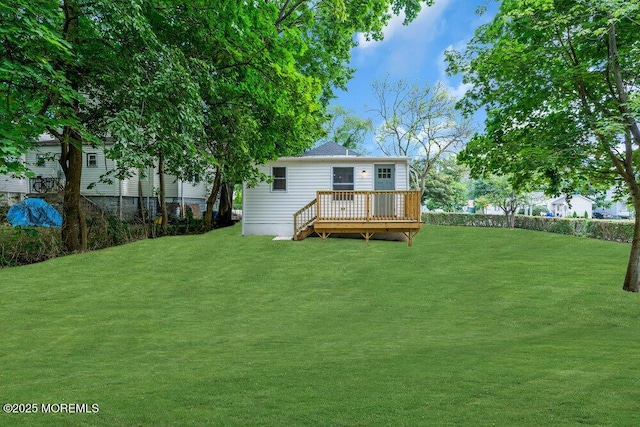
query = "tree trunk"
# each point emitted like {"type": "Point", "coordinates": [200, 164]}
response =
{"type": "Point", "coordinates": [74, 227]}
{"type": "Point", "coordinates": [211, 200]}
{"type": "Point", "coordinates": [226, 206]}
{"type": "Point", "coordinates": [632, 278]}
{"type": "Point", "coordinates": [163, 201]}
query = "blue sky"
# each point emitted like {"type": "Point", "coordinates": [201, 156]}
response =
{"type": "Point", "coordinates": [414, 52]}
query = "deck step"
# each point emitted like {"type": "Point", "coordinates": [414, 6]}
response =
{"type": "Point", "coordinates": [305, 233]}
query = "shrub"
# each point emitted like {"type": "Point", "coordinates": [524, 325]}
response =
{"type": "Point", "coordinates": [617, 231]}
{"type": "Point", "coordinates": [27, 245]}
{"type": "Point", "coordinates": [4, 210]}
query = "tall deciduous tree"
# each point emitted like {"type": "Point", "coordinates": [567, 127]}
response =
{"type": "Point", "coordinates": [30, 48]}
{"type": "Point", "coordinates": [497, 191]}
{"type": "Point", "coordinates": [158, 76]}
{"type": "Point", "coordinates": [560, 83]}
{"type": "Point", "coordinates": [346, 129]}
{"type": "Point", "coordinates": [66, 76]}
{"type": "Point", "coordinates": [418, 122]}
{"type": "Point", "coordinates": [445, 188]}
{"type": "Point", "coordinates": [274, 66]}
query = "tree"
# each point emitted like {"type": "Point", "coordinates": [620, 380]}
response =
{"type": "Point", "coordinates": [560, 83]}
{"type": "Point", "coordinates": [30, 47]}
{"type": "Point", "coordinates": [274, 78]}
{"type": "Point", "coordinates": [155, 74]}
{"type": "Point", "coordinates": [420, 123]}
{"type": "Point", "coordinates": [68, 75]}
{"type": "Point", "coordinates": [444, 185]}
{"type": "Point", "coordinates": [498, 191]}
{"type": "Point", "coordinates": [346, 129]}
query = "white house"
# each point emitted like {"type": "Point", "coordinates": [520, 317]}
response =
{"type": "Point", "coordinates": [616, 208]}
{"type": "Point", "coordinates": [43, 162]}
{"type": "Point", "coordinates": [563, 208]}
{"type": "Point", "coordinates": [269, 207]}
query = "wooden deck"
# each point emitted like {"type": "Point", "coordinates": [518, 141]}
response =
{"type": "Point", "coordinates": [359, 212]}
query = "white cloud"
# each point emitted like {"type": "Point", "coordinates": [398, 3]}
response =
{"type": "Point", "coordinates": [394, 24]}
{"type": "Point", "coordinates": [423, 29]}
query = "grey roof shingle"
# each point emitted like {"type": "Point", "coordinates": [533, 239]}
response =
{"type": "Point", "coordinates": [329, 149]}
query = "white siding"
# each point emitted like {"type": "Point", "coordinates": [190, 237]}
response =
{"type": "Point", "coordinates": [9, 184]}
{"type": "Point", "coordinates": [171, 186]}
{"type": "Point", "coordinates": [130, 186]}
{"type": "Point", "coordinates": [195, 191]}
{"type": "Point", "coordinates": [267, 212]}
{"type": "Point", "coordinates": [91, 175]}
{"type": "Point", "coordinates": [13, 185]}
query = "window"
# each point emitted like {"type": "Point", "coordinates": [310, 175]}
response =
{"type": "Point", "coordinates": [41, 159]}
{"type": "Point", "coordinates": [279, 175]}
{"type": "Point", "coordinates": [92, 160]}
{"type": "Point", "coordinates": [384, 173]}
{"type": "Point", "coordinates": [343, 179]}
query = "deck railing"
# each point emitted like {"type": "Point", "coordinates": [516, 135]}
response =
{"type": "Point", "coordinates": [43, 185]}
{"type": "Point", "coordinates": [304, 217]}
{"type": "Point", "coordinates": [368, 205]}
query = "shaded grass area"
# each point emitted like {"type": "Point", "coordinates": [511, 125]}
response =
{"type": "Point", "coordinates": [470, 326]}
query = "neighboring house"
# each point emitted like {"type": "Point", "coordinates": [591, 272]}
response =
{"type": "Point", "coordinates": [120, 197]}
{"type": "Point", "coordinates": [563, 208]}
{"type": "Point", "coordinates": [617, 209]}
{"type": "Point", "coordinates": [332, 183]}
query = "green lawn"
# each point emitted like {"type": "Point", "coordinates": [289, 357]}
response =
{"type": "Point", "coordinates": [467, 327]}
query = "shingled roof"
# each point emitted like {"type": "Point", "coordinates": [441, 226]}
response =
{"type": "Point", "coordinates": [329, 149]}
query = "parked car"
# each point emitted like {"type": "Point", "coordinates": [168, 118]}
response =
{"type": "Point", "coordinates": [600, 215]}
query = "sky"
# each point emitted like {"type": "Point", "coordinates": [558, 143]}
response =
{"type": "Point", "coordinates": [414, 52]}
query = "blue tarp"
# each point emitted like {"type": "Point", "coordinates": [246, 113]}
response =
{"type": "Point", "coordinates": [34, 212]}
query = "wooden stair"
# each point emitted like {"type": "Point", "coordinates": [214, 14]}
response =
{"type": "Point", "coordinates": [304, 233]}
{"type": "Point", "coordinates": [303, 221]}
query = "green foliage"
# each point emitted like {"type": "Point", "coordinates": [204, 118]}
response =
{"type": "Point", "coordinates": [444, 188]}
{"type": "Point", "coordinates": [19, 246]}
{"type": "Point", "coordinates": [499, 191]}
{"type": "Point", "coordinates": [346, 129]}
{"type": "Point", "coordinates": [539, 210]}
{"type": "Point", "coordinates": [618, 231]}
{"type": "Point", "coordinates": [28, 245]}
{"type": "Point", "coordinates": [30, 49]}
{"type": "Point", "coordinates": [559, 83]}
{"type": "Point", "coordinates": [208, 89]}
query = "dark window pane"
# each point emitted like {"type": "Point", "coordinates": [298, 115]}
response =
{"type": "Point", "coordinates": [279, 172]}
{"type": "Point", "coordinates": [279, 179]}
{"type": "Point", "coordinates": [342, 175]}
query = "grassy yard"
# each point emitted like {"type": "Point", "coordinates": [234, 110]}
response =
{"type": "Point", "coordinates": [468, 327]}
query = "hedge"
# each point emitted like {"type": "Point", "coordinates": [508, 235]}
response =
{"type": "Point", "coordinates": [617, 231]}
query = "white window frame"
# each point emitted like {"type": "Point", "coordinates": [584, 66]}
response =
{"type": "Point", "coordinates": [281, 179]}
{"type": "Point", "coordinates": [92, 158]}
{"type": "Point", "coordinates": [352, 183]}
